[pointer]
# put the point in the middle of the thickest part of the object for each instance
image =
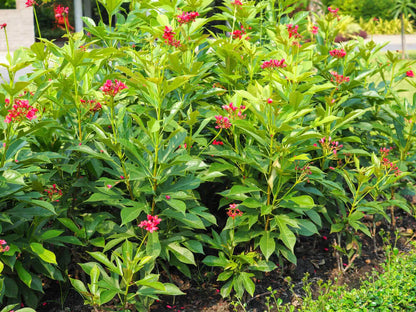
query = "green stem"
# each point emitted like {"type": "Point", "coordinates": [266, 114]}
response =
{"type": "Point", "coordinates": [234, 19]}
{"type": "Point", "coordinates": [113, 121]}
{"type": "Point", "coordinates": [216, 136]}
{"type": "Point", "coordinates": [99, 11]}
{"type": "Point", "coordinates": [7, 135]}
{"type": "Point", "coordinates": [37, 22]}
{"type": "Point", "coordinates": [78, 106]}
{"type": "Point", "coordinates": [409, 137]}
{"type": "Point", "coordinates": [7, 44]}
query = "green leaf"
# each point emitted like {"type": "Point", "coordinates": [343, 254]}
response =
{"type": "Point", "coordinates": [79, 286]}
{"type": "Point", "coordinates": [150, 281]}
{"type": "Point", "coordinates": [177, 204]}
{"type": "Point", "coordinates": [171, 290]}
{"type": "Point", "coordinates": [267, 245]}
{"type": "Point", "coordinates": [153, 247]}
{"type": "Point", "coordinates": [225, 276]}
{"type": "Point", "coordinates": [215, 261]}
{"type": "Point", "coordinates": [24, 275]}
{"type": "Point", "coordinates": [337, 227]}
{"type": "Point", "coordinates": [107, 295]}
{"type": "Point", "coordinates": [183, 254]}
{"type": "Point", "coordinates": [69, 224]}
{"type": "Point", "coordinates": [43, 204]}
{"type": "Point", "coordinates": [50, 234]}
{"type": "Point", "coordinates": [248, 282]}
{"type": "Point", "coordinates": [128, 214]}
{"type": "Point", "coordinates": [103, 259]}
{"type": "Point", "coordinates": [44, 254]}
{"type": "Point", "coordinates": [307, 228]}
{"type": "Point", "coordinates": [286, 235]}
{"type": "Point", "coordinates": [303, 201]}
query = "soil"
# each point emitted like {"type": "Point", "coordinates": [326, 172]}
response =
{"type": "Point", "coordinates": [315, 257]}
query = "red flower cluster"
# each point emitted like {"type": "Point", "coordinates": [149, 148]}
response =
{"type": "Point", "coordinates": [187, 17]}
{"type": "Point", "coordinates": [314, 30]}
{"type": "Point", "coordinates": [339, 78]}
{"type": "Point", "coordinates": [410, 74]}
{"type": "Point", "coordinates": [3, 248]}
{"type": "Point", "coordinates": [330, 146]}
{"type": "Point", "coordinates": [293, 31]}
{"type": "Point", "coordinates": [338, 53]}
{"type": "Point", "coordinates": [92, 105]}
{"type": "Point", "coordinates": [170, 40]}
{"type": "Point", "coordinates": [215, 142]}
{"type": "Point", "coordinates": [222, 122]}
{"type": "Point", "coordinates": [150, 224]}
{"type": "Point", "coordinates": [334, 12]}
{"type": "Point", "coordinates": [30, 3]}
{"type": "Point", "coordinates": [384, 151]}
{"type": "Point", "coordinates": [239, 33]}
{"type": "Point", "coordinates": [389, 166]}
{"type": "Point", "coordinates": [237, 3]}
{"type": "Point", "coordinates": [61, 11]}
{"type": "Point", "coordinates": [274, 64]}
{"type": "Point", "coordinates": [112, 88]}
{"type": "Point", "coordinates": [304, 171]}
{"type": "Point", "coordinates": [21, 109]}
{"type": "Point", "coordinates": [386, 163]}
{"type": "Point", "coordinates": [233, 211]}
{"type": "Point", "coordinates": [53, 193]}
{"type": "Point", "coordinates": [4, 25]}
{"type": "Point", "coordinates": [234, 111]}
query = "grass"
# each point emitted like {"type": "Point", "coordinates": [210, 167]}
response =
{"type": "Point", "coordinates": [394, 290]}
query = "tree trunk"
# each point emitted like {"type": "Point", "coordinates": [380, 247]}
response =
{"type": "Point", "coordinates": [403, 37]}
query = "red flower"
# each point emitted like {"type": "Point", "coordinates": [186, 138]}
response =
{"type": "Point", "coordinates": [5, 248]}
{"type": "Point", "coordinates": [187, 17]}
{"type": "Point", "coordinates": [92, 105]}
{"type": "Point", "coordinates": [339, 78]}
{"type": "Point", "coordinates": [237, 2]}
{"type": "Point", "coordinates": [215, 142]}
{"type": "Point", "coordinates": [3, 25]}
{"type": "Point", "coordinates": [239, 33]}
{"type": "Point", "coordinates": [151, 224]}
{"type": "Point", "coordinates": [222, 122]}
{"type": "Point", "coordinates": [112, 88]}
{"type": "Point", "coordinates": [410, 74]}
{"type": "Point", "coordinates": [233, 211]}
{"type": "Point", "coordinates": [330, 146]}
{"type": "Point", "coordinates": [19, 110]}
{"type": "Point", "coordinates": [338, 53]}
{"type": "Point", "coordinates": [168, 35]}
{"type": "Point", "coordinates": [314, 30]}
{"type": "Point", "coordinates": [30, 3]}
{"type": "Point", "coordinates": [61, 11]}
{"type": "Point", "coordinates": [269, 101]}
{"type": "Point", "coordinates": [333, 11]}
{"type": "Point", "coordinates": [53, 193]}
{"type": "Point", "coordinates": [293, 31]}
{"type": "Point", "coordinates": [234, 111]}
{"type": "Point", "coordinates": [273, 64]}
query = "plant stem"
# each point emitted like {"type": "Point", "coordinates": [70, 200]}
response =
{"type": "Point", "coordinates": [37, 22]}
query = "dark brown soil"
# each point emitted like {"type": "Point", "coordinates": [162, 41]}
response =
{"type": "Point", "coordinates": [315, 257]}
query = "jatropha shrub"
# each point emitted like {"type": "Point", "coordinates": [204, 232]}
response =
{"type": "Point", "coordinates": [112, 144]}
